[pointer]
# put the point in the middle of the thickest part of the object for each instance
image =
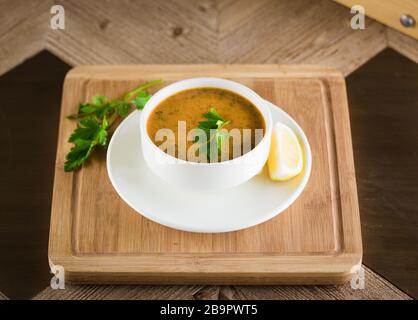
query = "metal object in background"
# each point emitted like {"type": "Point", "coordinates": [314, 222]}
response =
{"type": "Point", "coordinates": [407, 20]}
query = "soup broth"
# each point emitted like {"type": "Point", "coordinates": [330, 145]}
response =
{"type": "Point", "coordinates": [191, 105]}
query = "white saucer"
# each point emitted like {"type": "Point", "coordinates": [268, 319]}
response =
{"type": "Point", "coordinates": [251, 203]}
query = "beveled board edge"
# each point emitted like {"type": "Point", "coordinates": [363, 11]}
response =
{"type": "Point", "coordinates": [198, 268]}
{"type": "Point", "coordinates": [211, 269]}
{"type": "Point", "coordinates": [129, 72]}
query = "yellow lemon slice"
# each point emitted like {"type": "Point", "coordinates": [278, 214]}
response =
{"type": "Point", "coordinates": [286, 158]}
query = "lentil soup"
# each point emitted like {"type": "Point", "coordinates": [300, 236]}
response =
{"type": "Point", "coordinates": [191, 105]}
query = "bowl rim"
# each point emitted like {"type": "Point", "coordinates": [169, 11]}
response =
{"type": "Point", "coordinates": [254, 98]}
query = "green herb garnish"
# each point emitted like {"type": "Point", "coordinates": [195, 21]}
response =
{"type": "Point", "coordinates": [96, 117]}
{"type": "Point", "coordinates": [214, 134]}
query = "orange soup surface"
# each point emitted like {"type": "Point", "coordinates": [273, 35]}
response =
{"type": "Point", "coordinates": [191, 105]}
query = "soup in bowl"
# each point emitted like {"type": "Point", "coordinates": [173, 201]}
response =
{"type": "Point", "coordinates": [206, 133]}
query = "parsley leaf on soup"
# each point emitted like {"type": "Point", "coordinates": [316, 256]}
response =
{"type": "Point", "coordinates": [212, 126]}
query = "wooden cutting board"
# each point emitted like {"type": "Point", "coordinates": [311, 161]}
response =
{"type": "Point", "coordinates": [97, 238]}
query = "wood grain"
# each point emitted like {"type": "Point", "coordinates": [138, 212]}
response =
{"type": "Point", "coordinates": [376, 288]}
{"type": "Point", "coordinates": [282, 37]}
{"type": "Point", "coordinates": [96, 292]}
{"type": "Point", "coordinates": [189, 31]}
{"type": "Point", "coordinates": [98, 238]}
{"type": "Point", "coordinates": [389, 12]}
{"type": "Point", "coordinates": [403, 44]}
{"type": "Point", "coordinates": [21, 38]}
{"type": "Point", "coordinates": [23, 28]}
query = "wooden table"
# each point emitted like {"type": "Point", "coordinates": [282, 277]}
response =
{"type": "Point", "coordinates": [182, 32]}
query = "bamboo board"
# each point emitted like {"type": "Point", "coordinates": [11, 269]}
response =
{"type": "Point", "coordinates": [97, 238]}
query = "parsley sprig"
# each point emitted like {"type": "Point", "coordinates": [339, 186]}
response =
{"type": "Point", "coordinates": [96, 117]}
{"type": "Point", "coordinates": [214, 134]}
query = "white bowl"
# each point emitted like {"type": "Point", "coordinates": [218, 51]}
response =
{"type": "Point", "coordinates": [244, 206]}
{"type": "Point", "coordinates": [206, 176]}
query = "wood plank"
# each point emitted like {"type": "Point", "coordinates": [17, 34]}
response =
{"type": "Point", "coordinates": [190, 31]}
{"type": "Point", "coordinates": [317, 240]}
{"type": "Point", "coordinates": [27, 37]}
{"type": "Point", "coordinates": [389, 12]}
{"type": "Point", "coordinates": [327, 42]}
{"type": "Point", "coordinates": [375, 288]}
{"type": "Point", "coordinates": [403, 44]}
{"type": "Point", "coordinates": [96, 292]}
{"type": "Point", "coordinates": [152, 31]}
{"type": "Point", "coordinates": [23, 26]}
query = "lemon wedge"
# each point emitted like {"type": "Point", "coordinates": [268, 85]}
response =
{"type": "Point", "coordinates": [286, 158]}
